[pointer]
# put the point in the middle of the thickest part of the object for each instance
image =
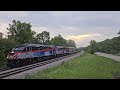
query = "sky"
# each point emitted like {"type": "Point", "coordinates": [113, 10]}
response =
{"type": "Point", "coordinates": [80, 26]}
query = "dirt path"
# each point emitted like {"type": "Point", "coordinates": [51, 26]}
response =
{"type": "Point", "coordinates": [117, 58]}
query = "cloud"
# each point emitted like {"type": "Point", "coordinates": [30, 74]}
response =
{"type": "Point", "coordinates": [39, 29]}
{"type": "Point", "coordinates": [53, 33]}
{"type": "Point", "coordinates": [3, 28]}
{"type": "Point", "coordinates": [81, 37]}
{"type": "Point", "coordinates": [14, 13]}
{"type": "Point", "coordinates": [83, 40]}
{"type": "Point", "coordinates": [58, 13]}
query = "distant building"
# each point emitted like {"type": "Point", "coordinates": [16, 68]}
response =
{"type": "Point", "coordinates": [1, 35]}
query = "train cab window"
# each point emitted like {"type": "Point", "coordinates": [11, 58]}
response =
{"type": "Point", "coordinates": [26, 49]}
{"type": "Point", "coordinates": [34, 48]}
{"type": "Point", "coordinates": [18, 49]}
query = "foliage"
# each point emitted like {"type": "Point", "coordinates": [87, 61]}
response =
{"type": "Point", "coordinates": [93, 47]}
{"type": "Point", "coordinates": [71, 43]}
{"type": "Point", "coordinates": [60, 41]}
{"type": "Point", "coordinates": [44, 37]}
{"type": "Point", "coordinates": [110, 46]}
{"type": "Point", "coordinates": [20, 32]}
{"type": "Point", "coordinates": [2, 53]}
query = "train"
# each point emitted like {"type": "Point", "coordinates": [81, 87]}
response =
{"type": "Point", "coordinates": [26, 54]}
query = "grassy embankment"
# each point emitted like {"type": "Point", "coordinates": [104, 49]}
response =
{"type": "Point", "coordinates": [87, 66]}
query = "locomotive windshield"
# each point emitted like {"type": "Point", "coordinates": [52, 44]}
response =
{"type": "Point", "coordinates": [18, 49]}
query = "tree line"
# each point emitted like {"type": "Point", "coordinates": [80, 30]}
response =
{"type": "Point", "coordinates": [21, 32]}
{"type": "Point", "coordinates": [110, 46]}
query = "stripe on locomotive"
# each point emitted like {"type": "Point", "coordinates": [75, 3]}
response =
{"type": "Point", "coordinates": [43, 53]}
{"type": "Point", "coordinates": [37, 53]}
{"type": "Point", "coordinates": [61, 51]}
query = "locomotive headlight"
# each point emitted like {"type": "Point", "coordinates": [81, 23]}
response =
{"type": "Point", "coordinates": [12, 52]}
{"type": "Point", "coordinates": [7, 56]}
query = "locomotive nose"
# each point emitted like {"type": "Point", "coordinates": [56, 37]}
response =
{"type": "Point", "coordinates": [11, 55]}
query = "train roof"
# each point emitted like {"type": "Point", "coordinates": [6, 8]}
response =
{"type": "Point", "coordinates": [38, 45]}
{"type": "Point", "coordinates": [71, 47]}
{"type": "Point", "coordinates": [30, 45]}
{"type": "Point", "coordinates": [49, 45]}
{"type": "Point", "coordinates": [59, 46]}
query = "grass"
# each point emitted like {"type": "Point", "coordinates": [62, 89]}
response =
{"type": "Point", "coordinates": [87, 66]}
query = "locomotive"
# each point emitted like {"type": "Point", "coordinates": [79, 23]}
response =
{"type": "Point", "coordinates": [26, 54]}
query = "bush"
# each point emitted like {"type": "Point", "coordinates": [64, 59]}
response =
{"type": "Point", "coordinates": [2, 56]}
{"type": "Point", "coordinates": [91, 51]}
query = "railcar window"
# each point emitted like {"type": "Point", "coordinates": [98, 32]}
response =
{"type": "Point", "coordinates": [41, 48]}
{"type": "Point", "coordinates": [28, 49]}
{"type": "Point", "coordinates": [59, 49]}
{"type": "Point", "coordinates": [48, 47]}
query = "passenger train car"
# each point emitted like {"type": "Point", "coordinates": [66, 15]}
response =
{"type": "Point", "coordinates": [30, 53]}
{"type": "Point", "coordinates": [61, 50]}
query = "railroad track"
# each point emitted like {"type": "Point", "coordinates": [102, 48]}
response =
{"type": "Point", "coordinates": [4, 69]}
{"type": "Point", "coordinates": [28, 67]}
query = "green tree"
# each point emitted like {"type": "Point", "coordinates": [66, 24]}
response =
{"type": "Point", "coordinates": [71, 43]}
{"type": "Point", "coordinates": [2, 56]}
{"type": "Point", "coordinates": [2, 53]}
{"type": "Point", "coordinates": [20, 32]}
{"type": "Point", "coordinates": [58, 41]}
{"type": "Point", "coordinates": [110, 46]}
{"type": "Point", "coordinates": [93, 47]}
{"type": "Point", "coordinates": [44, 38]}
